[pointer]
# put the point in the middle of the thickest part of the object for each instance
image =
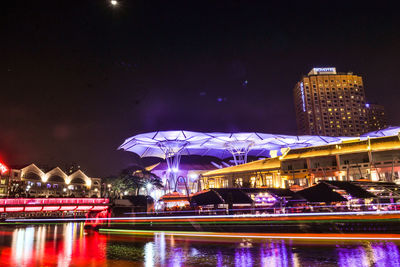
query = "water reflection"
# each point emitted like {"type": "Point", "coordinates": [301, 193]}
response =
{"type": "Point", "coordinates": [371, 254]}
{"type": "Point", "coordinates": [51, 246]}
{"type": "Point", "coordinates": [70, 245]}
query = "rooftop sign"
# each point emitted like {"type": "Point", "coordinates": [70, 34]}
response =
{"type": "Point", "coordinates": [325, 70]}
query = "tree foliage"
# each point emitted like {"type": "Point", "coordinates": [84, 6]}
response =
{"type": "Point", "coordinates": [129, 182]}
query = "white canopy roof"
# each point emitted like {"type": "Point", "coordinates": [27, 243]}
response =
{"type": "Point", "coordinates": [164, 144]}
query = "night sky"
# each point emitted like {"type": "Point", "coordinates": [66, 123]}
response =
{"type": "Point", "coordinates": [78, 77]}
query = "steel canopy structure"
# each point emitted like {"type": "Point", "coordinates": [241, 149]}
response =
{"type": "Point", "coordinates": [168, 145]}
{"type": "Point", "coordinates": [171, 145]}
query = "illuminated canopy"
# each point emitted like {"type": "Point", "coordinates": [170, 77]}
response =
{"type": "Point", "coordinates": [170, 145]}
{"type": "Point", "coordinates": [173, 144]}
{"type": "Point", "coordinates": [390, 131]}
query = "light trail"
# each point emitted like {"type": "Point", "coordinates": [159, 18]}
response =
{"type": "Point", "coordinates": [273, 209]}
{"type": "Point", "coordinates": [259, 235]}
{"type": "Point", "coordinates": [213, 217]}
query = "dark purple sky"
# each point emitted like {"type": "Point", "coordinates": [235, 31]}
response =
{"type": "Point", "coordinates": [78, 77]}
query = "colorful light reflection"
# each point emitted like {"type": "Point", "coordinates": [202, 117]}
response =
{"type": "Point", "coordinates": [69, 245]}
{"type": "Point", "coordinates": [59, 245]}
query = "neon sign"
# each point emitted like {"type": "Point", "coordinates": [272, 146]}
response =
{"type": "Point", "coordinates": [302, 96]}
{"type": "Point", "coordinates": [325, 69]}
{"type": "Point", "coordinates": [3, 168]}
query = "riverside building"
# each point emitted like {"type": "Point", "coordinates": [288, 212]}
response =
{"type": "Point", "coordinates": [366, 158]}
{"type": "Point", "coordinates": [32, 181]}
{"type": "Point", "coordinates": [329, 103]}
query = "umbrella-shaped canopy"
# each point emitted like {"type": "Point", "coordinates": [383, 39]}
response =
{"type": "Point", "coordinates": [164, 144]}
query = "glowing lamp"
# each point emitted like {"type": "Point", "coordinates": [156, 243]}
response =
{"type": "Point", "coordinates": [84, 207]}
{"type": "Point", "coordinates": [3, 168]}
{"type": "Point", "coordinates": [67, 208]}
{"type": "Point", "coordinates": [51, 208]}
{"type": "Point", "coordinates": [193, 176]}
{"type": "Point", "coordinates": [14, 209]}
{"type": "Point", "coordinates": [114, 2]}
{"type": "Point", "coordinates": [99, 208]}
{"type": "Point", "coordinates": [35, 208]}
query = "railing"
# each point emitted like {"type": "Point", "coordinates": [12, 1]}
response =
{"type": "Point", "coordinates": [52, 201]}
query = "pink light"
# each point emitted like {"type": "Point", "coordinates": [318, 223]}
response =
{"type": "Point", "coordinates": [3, 168]}
{"type": "Point", "coordinates": [84, 207]}
{"type": "Point", "coordinates": [36, 208]}
{"type": "Point", "coordinates": [50, 201]}
{"type": "Point", "coordinates": [51, 208]}
{"type": "Point", "coordinates": [1, 209]}
{"type": "Point", "coordinates": [67, 208]}
{"type": "Point", "coordinates": [99, 208]}
{"type": "Point", "coordinates": [14, 209]}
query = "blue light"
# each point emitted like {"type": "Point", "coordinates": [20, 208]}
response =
{"type": "Point", "coordinates": [302, 96]}
{"type": "Point", "coordinates": [367, 105]}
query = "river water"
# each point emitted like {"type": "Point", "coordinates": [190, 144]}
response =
{"type": "Point", "coordinates": [70, 245]}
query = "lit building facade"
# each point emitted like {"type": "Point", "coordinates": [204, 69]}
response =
{"type": "Point", "coordinates": [32, 181]}
{"type": "Point", "coordinates": [375, 159]}
{"type": "Point", "coordinates": [3, 180]}
{"type": "Point", "coordinates": [376, 117]}
{"type": "Point", "coordinates": [331, 104]}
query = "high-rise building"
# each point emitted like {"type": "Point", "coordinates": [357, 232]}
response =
{"type": "Point", "coordinates": [331, 104]}
{"type": "Point", "coordinates": [376, 117]}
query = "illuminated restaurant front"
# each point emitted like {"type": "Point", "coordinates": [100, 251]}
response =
{"type": "Point", "coordinates": [375, 159]}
